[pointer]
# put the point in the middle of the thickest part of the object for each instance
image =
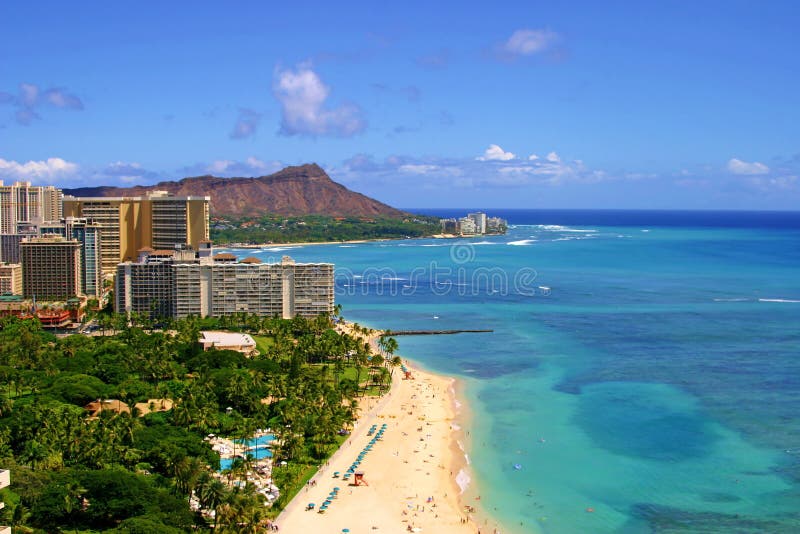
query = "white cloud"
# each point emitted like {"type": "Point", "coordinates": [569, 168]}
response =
{"type": "Point", "coordinates": [418, 168]}
{"type": "Point", "coordinates": [737, 166]}
{"type": "Point", "coordinates": [31, 98]}
{"type": "Point", "coordinates": [778, 182]}
{"type": "Point", "coordinates": [246, 124]}
{"type": "Point", "coordinates": [527, 42]}
{"type": "Point", "coordinates": [305, 110]}
{"type": "Point", "coordinates": [61, 99]}
{"type": "Point", "coordinates": [429, 169]}
{"type": "Point", "coordinates": [28, 94]}
{"type": "Point", "coordinates": [496, 168]}
{"type": "Point", "coordinates": [533, 157]}
{"type": "Point", "coordinates": [46, 170]}
{"type": "Point", "coordinates": [495, 153]}
{"type": "Point", "coordinates": [127, 173]}
{"type": "Point", "coordinates": [219, 166]}
{"type": "Point", "coordinates": [523, 169]}
{"type": "Point", "coordinates": [252, 166]}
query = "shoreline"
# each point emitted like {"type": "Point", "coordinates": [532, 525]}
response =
{"type": "Point", "coordinates": [346, 242]}
{"type": "Point", "coordinates": [415, 471]}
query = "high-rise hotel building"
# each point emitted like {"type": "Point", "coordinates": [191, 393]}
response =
{"type": "Point", "coordinates": [87, 233]}
{"type": "Point", "coordinates": [128, 224]}
{"type": "Point", "coordinates": [163, 284]}
{"type": "Point", "coordinates": [51, 267]}
{"type": "Point", "coordinates": [22, 202]}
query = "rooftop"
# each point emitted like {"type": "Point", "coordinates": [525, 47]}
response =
{"type": "Point", "coordinates": [227, 340]}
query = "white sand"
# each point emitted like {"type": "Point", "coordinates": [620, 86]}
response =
{"type": "Point", "coordinates": [412, 472]}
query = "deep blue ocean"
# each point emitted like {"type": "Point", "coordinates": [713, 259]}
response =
{"type": "Point", "coordinates": [644, 370]}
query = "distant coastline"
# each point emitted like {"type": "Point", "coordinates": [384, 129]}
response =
{"type": "Point", "coordinates": [345, 242]}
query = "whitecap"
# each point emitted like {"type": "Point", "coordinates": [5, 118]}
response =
{"type": "Point", "coordinates": [347, 246]}
{"type": "Point", "coordinates": [793, 301]}
{"type": "Point", "coordinates": [462, 479]}
{"type": "Point", "coordinates": [559, 228]}
{"type": "Point", "coordinates": [731, 300]}
{"type": "Point", "coordinates": [521, 242]}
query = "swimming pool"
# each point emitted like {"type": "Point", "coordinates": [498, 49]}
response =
{"type": "Point", "coordinates": [257, 448]}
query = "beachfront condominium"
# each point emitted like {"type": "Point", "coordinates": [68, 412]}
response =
{"type": "Point", "coordinates": [158, 220]}
{"type": "Point", "coordinates": [22, 202]}
{"type": "Point", "coordinates": [51, 267]}
{"type": "Point", "coordinates": [168, 284]}
{"type": "Point", "coordinates": [479, 218]}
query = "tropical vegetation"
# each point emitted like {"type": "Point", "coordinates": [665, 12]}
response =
{"type": "Point", "coordinates": [120, 471]}
{"type": "Point", "coordinates": [318, 228]}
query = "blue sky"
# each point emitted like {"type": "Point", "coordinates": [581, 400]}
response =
{"type": "Point", "coordinates": [419, 104]}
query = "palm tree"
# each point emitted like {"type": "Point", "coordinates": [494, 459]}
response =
{"type": "Point", "coordinates": [187, 473]}
{"type": "Point", "coordinates": [211, 494]}
{"type": "Point", "coordinates": [34, 453]}
{"type": "Point", "coordinates": [73, 497]}
{"type": "Point", "coordinates": [396, 361]}
{"type": "Point", "coordinates": [389, 345]}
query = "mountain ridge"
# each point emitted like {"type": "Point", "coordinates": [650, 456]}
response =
{"type": "Point", "coordinates": [292, 191]}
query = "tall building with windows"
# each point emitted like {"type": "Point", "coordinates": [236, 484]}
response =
{"type": "Point", "coordinates": [479, 218]}
{"type": "Point", "coordinates": [10, 279]}
{"type": "Point", "coordinates": [128, 224]}
{"type": "Point", "coordinates": [51, 267]}
{"type": "Point", "coordinates": [22, 202]}
{"type": "Point", "coordinates": [174, 287]}
{"type": "Point", "coordinates": [88, 234]}
{"type": "Point", "coordinates": [9, 243]}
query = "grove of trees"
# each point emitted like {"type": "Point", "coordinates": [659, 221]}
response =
{"type": "Point", "coordinates": [124, 473]}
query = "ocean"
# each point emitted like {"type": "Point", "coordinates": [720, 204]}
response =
{"type": "Point", "coordinates": [644, 370]}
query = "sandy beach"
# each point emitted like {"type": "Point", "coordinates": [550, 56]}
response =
{"type": "Point", "coordinates": [411, 471]}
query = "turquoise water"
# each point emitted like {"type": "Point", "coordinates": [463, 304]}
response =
{"type": "Point", "coordinates": [650, 372]}
{"type": "Point", "coordinates": [260, 450]}
{"type": "Point", "coordinates": [259, 442]}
